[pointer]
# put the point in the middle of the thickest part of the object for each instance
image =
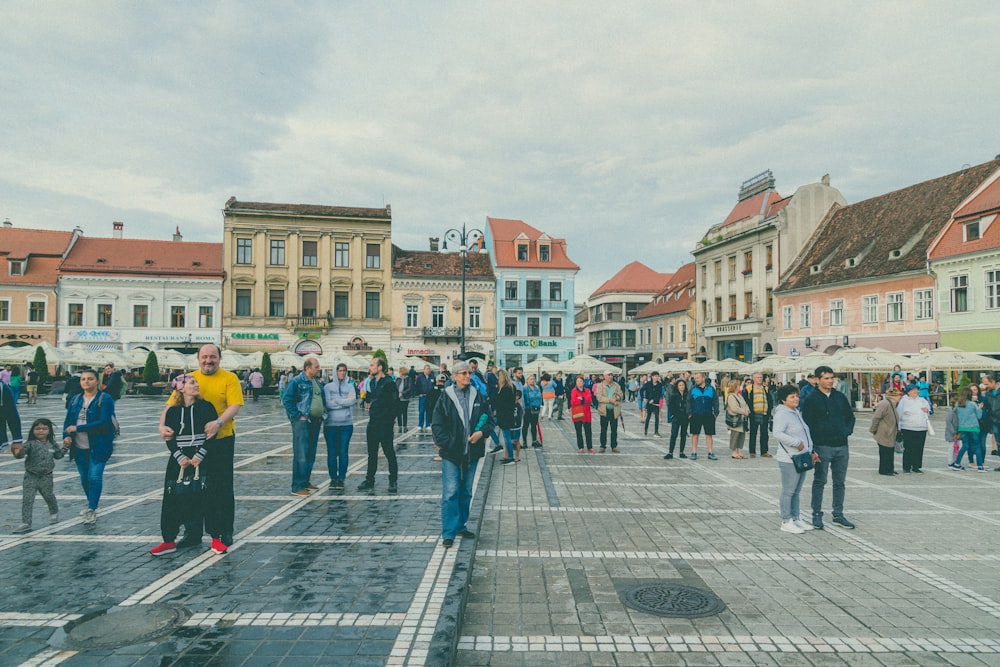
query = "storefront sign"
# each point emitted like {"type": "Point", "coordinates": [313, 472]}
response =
{"type": "Point", "coordinates": [179, 338]}
{"type": "Point", "coordinates": [93, 335]}
{"type": "Point", "coordinates": [308, 347]}
{"type": "Point", "coordinates": [310, 335]}
{"type": "Point", "coordinates": [254, 336]}
{"type": "Point", "coordinates": [11, 336]}
{"type": "Point", "coordinates": [729, 328]}
{"type": "Point", "coordinates": [358, 344]}
{"type": "Point", "coordinates": [425, 352]}
{"type": "Point", "coordinates": [535, 342]}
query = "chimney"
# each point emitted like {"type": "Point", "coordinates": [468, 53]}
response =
{"type": "Point", "coordinates": [435, 240]}
{"type": "Point", "coordinates": [7, 222]}
{"type": "Point", "coordinates": [119, 226]}
{"type": "Point", "coordinates": [177, 234]}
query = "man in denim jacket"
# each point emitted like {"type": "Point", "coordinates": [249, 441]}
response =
{"type": "Point", "coordinates": [303, 402]}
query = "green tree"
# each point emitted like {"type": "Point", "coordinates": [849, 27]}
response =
{"type": "Point", "coordinates": [266, 370]}
{"type": "Point", "coordinates": [380, 353]}
{"type": "Point", "coordinates": [151, 373]}
{"type": "Point", "coordinates": [963, 382]}
{"type": "Point", "coordinates": [41, 364]}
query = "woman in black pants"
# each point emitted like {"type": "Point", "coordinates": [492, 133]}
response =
{"type": "Point", "coordinates": [680, 413]}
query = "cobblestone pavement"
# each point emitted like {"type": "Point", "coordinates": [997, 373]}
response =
{"type": "Point", "coordinates": [338, 578]}
{"type": "Point", "coordinates": [563, 533]}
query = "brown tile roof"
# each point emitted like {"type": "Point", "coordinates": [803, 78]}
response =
{"type": "Point", "coordinates": [143, 257]}
{"type": "Point", "coordinates": [675, 297]}
{"type": "Point", "coordinates": [952, 241]}
{"type": "Point", "coordinates": [759, 204]}
{"type": "Point", "coordinates": [439, 264]}
{"type": "Point", "coordinates": [308, 209]}
{"type": "Point", "coordinates": [868, 231]}
{"type": "Point", "coordinates": [504, 231]}
{"type": "Point", "coordinates": [17, 243]}
{"type": "Point", "coordinates": [634, 277]}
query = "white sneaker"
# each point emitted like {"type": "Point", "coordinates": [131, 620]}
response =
{"type": "Point", "coordinates": [790, 527]}
{"type": "Point", "coordinates": [803, 525]}
{"type": "Point", "coordinates": [91, 517]}
{"type": "Point", "coordinates": [53, 518]}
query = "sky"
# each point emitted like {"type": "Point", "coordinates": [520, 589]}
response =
{"type": "Point", "coordinates": [625, 128]}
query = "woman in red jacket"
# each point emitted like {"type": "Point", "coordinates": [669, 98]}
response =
{"type": "Point", "coordinates": [579, 406]}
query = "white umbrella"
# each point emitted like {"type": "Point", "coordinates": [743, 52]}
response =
{"type": "Point", "coordinates": [285, 359]}
{"type": "Point", "coordinates": [677, 366]}
{"type": "Point", "coordinates": [26, 353]}
{"type": "Point", "coordinates": [952, 359]}
{"type": "Point", "coordinates": [587, 365]}
{"type": "Point", "coordinates": [136, 357]}
{"type": "Point", "coordinates": [172, 359]}
{"type": "Point", "coordinates": [234, 361]}
{"type": "Point", "coordinates": [723, 366]}
{"type": "Point", "coordinates": [541, 365]}
{"type": "Point", "coordinates": [645, 368]}
{"type": "Point", "coordinates": [864, 360]}
{"type": "Point", "coordinates": [807, 363]}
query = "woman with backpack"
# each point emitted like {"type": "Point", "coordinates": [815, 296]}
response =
{"type": "Point", "coordinates": [88, 431]}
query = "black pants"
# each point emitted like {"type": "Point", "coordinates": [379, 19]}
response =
{"type": "Point", "coordinates": [404, 412]}
{"type": "Point", "coordinates": [219, 500]}
{"type": "Point", "coordinates": [758, 424]}
{"type": "Point", "coordinates": [678, 425]}
{"type": "Point", "coordinates": [380, 437]}
{"type": "Point", "coordinates": [885, 460]}
{"type": "Point", "coordinates": [913, 452]}
{"type": "Point", "coordinates": [177, 510]}
{"type": "Point", "coordinates": [584, 428]}
{"type": "Point", "coordinates": [530, 424]}
{"type": "Point", "coordinates": [653, 410]}
{"type": "Point", "coordinates": [607, 421]}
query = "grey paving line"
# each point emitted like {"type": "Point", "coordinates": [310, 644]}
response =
{"type": "Point", "coordinates": [733, 556]}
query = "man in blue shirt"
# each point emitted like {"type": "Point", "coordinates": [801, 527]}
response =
{"type": "Point", "coordinates": [704, 410]}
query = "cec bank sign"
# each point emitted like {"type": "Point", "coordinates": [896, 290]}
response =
{"type": "Point", "coordinates": [534, 342]}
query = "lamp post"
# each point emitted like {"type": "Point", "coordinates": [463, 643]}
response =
{"type": "Point", "coordinates": [463, 238]}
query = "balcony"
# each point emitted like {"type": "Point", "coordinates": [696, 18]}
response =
{"type": "Point", "coordinates": [309, 323]}
{"type": "Point", "coordinates": [533, 304]}
{"type": "Point", "coordinates": [442, 332]}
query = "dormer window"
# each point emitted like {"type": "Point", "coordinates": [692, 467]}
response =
{"type": "Point", "coordinates": [543, 253]}
{"type": "Point", "coordinates": [16, 267]}
{"type": "Point", "coordinates": [972, 231]}
{"type": "Point", "coordinates": [522, 252]}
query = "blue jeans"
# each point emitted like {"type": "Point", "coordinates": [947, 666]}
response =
{"type": "Point", "coordinates": [971, 443]}
{"type": "Point", "coordinates": [456, 496]}
{"type": "Point", "coordinates": [791, 485]}
{"type": "Point", "coordinates": [510, 436]}
{"type": "Point", "coordinates": [305, 437]}
{"type": "Point", "coordinates": [831, 459]}
{"type": "Point", "coordinates": [91, 476]}
{"type": "Point", "coordinates": [423, 419]}
{"type": "Point", "coordinates": [338, 441]}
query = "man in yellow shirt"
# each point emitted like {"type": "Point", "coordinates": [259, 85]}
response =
{"type": "Point", "coordinates": [223, 390]}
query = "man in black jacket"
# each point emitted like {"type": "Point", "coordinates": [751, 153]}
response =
{"type": "Point", "coordinates": [384, 397]}
{"type": "Point", "coordinates": [460, 424]}
{"type": "Point", "coordinates": [10, 419]}
{"type": "Point", "coordinates": [651, 394]}
{"type": "Point", "coordinates": [830, 419]}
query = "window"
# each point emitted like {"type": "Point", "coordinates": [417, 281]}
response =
{"type": "Point", "coordinates": [309, 253]}
{"type": "Point", "coordinates": [341, 255]}
{"type": "Point", "coordinates": [770, 302]}
{"type": "Point", "coordinates": [308, 303]}
{"type": "Point", "coordinates": [277, 252]}
{"type": "Point", "coordinates": [177, 317]}
{"type": "Point", "coordinates": [75, 314]}
{"type": "Point", "coordinates": [105, 314]}
{"type": "Point", "coordinates": [960, 293]}
{"type": "Point", "coordinates": [732, 267]}
{"type": "Point", "coordinates": [837, 313]}
{"type": "Point", "coordinates": [243, 303]}
{"type": "Point", "coordinates": [747, 304]}
{"type": "Point", "coordinates": [786, 317]}
{"type": "Point", "coordinates": [140, 315]}
{"type": "Point", "coordinates": [613, 338]}
{"type": "Point", "coordinates": [640, 338]}
{"type": "Point", "coordinates": [659, 335]}
{"type": "Point", "coordinates": [894, 307]}
{"type": "Point", "coordinates": [805, 315]}
{"type": "Point", "coordinates": [684, 332]}
{"type": "Point", "coordinates": [670, 334]}
{"type": "Point", "coordinates": [36, 311]}
{"type": "Point", "coordinates": [718, 309]}
{"type": "Point", "coordinates": [205, 317]}
{"type": "Point", "coordinates": [629, 338]}
{"type": "Point", "coordinates": [437, 316]}
{"type": "Point", "coordinates": [732, 306]}
{"type": "Point", "coordinates": [543, 253]}
{"type": "Point", "coordinates": [631, 309]}
{"type": "Point", "coordinates": [522, 252]}
{"type": "Point", "coordinates": [5, 310]}
{"type": "Point", "coordinates": [555, 327]}
{"type": "Point", "coordinates": [971, 231]}
{"type": "Point", "coordinates": [474, 316]}
{"type": "Point", "coordinates": [869, 309]}
{"type": "Point", "coordinates": [510, 326]}
{"type": "Point", "coordinates": [16, 267]}
{"type": "Point", "coordinates": [597, 339]}
{"type": "Point", "coordinates": [244, 251]}
{"type": "Point", "coordinates": [747, 262]}
{"type": "Point", "coordinates": [923, 304]}
{"type": "Point", "coordinates": [373, 303]}
{"type": "Point", "coordinates": [341, 304]}
{"type": "Point", "coordinates": [276, 303]}
{"type": "Point", "coordinates": [704, 275]}
{"type": "Point", "coordinates": [555, 291]}
{"type": "Point", "coordinates": [992, 283]}
{"type": "Point", "coordinates": [412, 316]}
{"type": "Point", "coordinates": [533, 326]}
{"type": "Point", "coordinates": [510, 290]}
{"type": "Point", "coordinates": [769, 252]}
{"type": "Point", "coordinates": [373, 256]}
{"type": "Point", "coordinates": [718, 272]}
{"type": "Point", "coordinates": [533, 293]}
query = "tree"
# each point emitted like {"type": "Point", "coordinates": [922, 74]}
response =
{"type": "Point", "coordinates": [266, 370]}
{"type": "Point", "coordinates": [380, 353]}
{"type": "Point", "coordinates": [151, 373]}
{"type": "Point", "coordinates": [41, 364]}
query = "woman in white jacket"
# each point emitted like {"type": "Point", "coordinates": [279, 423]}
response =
{"type": "Point", "coordinates": [793, 437]}
{"type": "Point", "coordinates": [913, 414]}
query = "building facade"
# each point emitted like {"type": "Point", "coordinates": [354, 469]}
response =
{"type": "Point", "coordinates": [965, 262]}
{"type": "Point", "coordinates": [306, 278]}
{"type": "Point", "coordinates": [534, 293]}
{"type": "Point", "coordinates": [666, 325]}
{"type": "Point", "coordinates": [123, 294]}
{"type": "Point", "coordinates": [740, 260]}
{"type": "Point", "coordinates": [611, 333]}
{"type": "Point", "coordinates": [863, 279]}
{"type": "Point", "coordinates": [427, 316]}
{"type": "Point", "coordinates": [30, 269]}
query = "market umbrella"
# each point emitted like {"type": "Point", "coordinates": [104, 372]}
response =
{"type": "Point", "coordinates": [677, 366]}
{"type": "Point", "coordinates": [645, 368]}
{"type": "Point", "coordinates": [541, 365]}
{"type": "Point", "coordinates": [173, 359]}
{"type": "Point", "coordinates": [25, 353]}
{"type": "Point", "coordinates": [953, 359]}
{"type": "Point", "coordinates": [586, 365]}
{"type": "Point", "coordinates": [285, 359]}
{"type": "Point", "coordinates": [865, 360]}
{"type": "Point", "coordinates": [723, 366]}
{"type": "Point", "coordinates": [234, 361]}
{"type": "Point", "coordinates": [807, 363]}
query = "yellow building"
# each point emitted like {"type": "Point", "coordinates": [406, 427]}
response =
{"type": "Point", "coordinates": [306, 278]}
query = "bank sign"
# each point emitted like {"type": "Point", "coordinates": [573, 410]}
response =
{"type": "Point", "coordinates": [535, 342]}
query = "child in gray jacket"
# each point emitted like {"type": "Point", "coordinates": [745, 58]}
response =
{"type": "Point", "coordinates": [40, 452]}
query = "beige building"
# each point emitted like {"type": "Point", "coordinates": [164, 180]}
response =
{"type": "Point", "coordinates": [427, 305]}
{"type": "Point", "coordinates": [667, 324]}
{"type": "Point", "coordinates": [306, 278]}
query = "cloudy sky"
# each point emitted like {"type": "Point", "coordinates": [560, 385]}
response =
{"type": "Point", "coordinates": [624, 127]}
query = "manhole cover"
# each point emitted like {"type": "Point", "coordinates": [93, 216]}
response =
{"type": "Point", "coordinates": [670, 599]}
{"type": "Point", "coordinates": [125, 626]}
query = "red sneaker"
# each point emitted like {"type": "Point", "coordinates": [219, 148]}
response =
{"type": "Point", "coordinates": [218, 546]}
{"type": "Point", "coordinates": [581, 451]}
{"type": "Point", "coordinates": [164, 548]}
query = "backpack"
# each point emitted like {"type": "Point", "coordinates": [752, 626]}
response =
{"type": "Point", "coordinates": [115, 428]}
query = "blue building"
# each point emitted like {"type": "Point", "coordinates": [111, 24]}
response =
{"type": "Point", "coordinates": [535, 279]}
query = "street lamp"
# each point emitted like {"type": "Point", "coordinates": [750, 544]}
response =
{"type": "Point", "coordinates": [463, 238]}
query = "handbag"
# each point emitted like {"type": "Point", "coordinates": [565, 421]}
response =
{"type": "Point", "coordinates": [899, 444]}
{"type": "Point", "coordinates": [803, 461]}
{"type": "Point", "coordinates": [187, 485]}
{"type": "Point", "coordinates": [734, 421]}
{"type": "Point", "coordinates": [578, 414]}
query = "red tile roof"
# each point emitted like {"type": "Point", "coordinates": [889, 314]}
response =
{"type": "Point", "coordinates": [634, 277]}
{"type": "Point", "coordinates": [308, 209]}
{"type": "Point", "coordinates": [439, 264]}
{"type": "Point", "coordinates": [504, 231]}
{"type": "Point", "coordinates": [906, 220]}
{"type": "Point", "coordinates": [675, 297]}
{"type": "Point", "coordinates": [759, 204]}
{"type": "Point", "coordinates": [145, 258]}
{"type": "Point", "coordinates": [17, 243]}
{"type": "Point", "coordinates": [952, 241]}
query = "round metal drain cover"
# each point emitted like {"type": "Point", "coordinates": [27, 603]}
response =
{"type": "Point", "coordinates": [126, 626]}
{"type": "Point", "coordinates": [670, 599]}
